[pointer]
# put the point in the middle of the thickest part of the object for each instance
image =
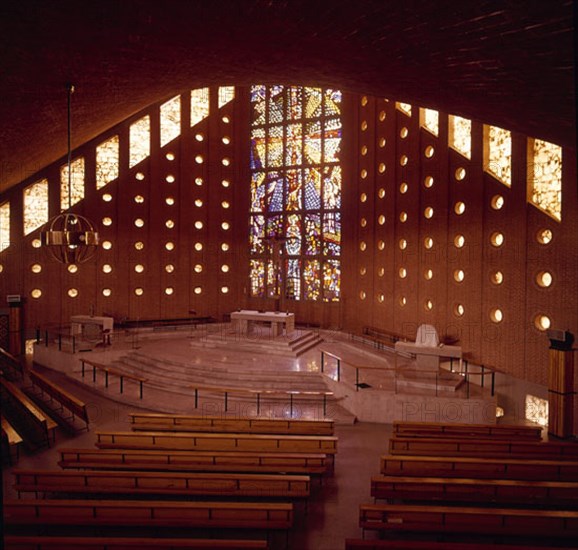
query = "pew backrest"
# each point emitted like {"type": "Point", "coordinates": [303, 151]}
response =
{"type": "Point", "coordinates": [222, 515]}
{"type": "Point", "coordinates": [14, 542]}
{"type": "Point", "coordinates": [33, 424]}
{"type": "Point", "coordinates": [546, 494]}
{"type": "Point", "coordinates": [65, 398]}
{"type": "Point", "coordinates": [418, 446]}
{"type": "Point", "coordinates": [534, 523]}
{"type": "Point", "coordinates": [462, 430]}
{"type": "Point", "coordinates": [165, 483]}
{"type": "Point", "coordinates": [201, 441]}
{"type": "Point", "coordinates": [166, 422]}
{"type": "Point", "coordinates": [479, 468]}
{"type": "Point", "coordinates": [136, 459]}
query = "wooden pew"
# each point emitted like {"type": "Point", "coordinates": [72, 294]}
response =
{"type": "Point", "coordinates": [560, 525]}
{"type": "Point", "coordinates": [162, 483]}
{"type": "Point", "coordinates": [199, 441]}
{"type": "Point", "coordinates": [34, 425]}
{"type": "Point", "coordinates": [546, 494]}
{"type": "Point", "coordinates": [169, 422]}
{"type": "Point", "coordinates": [418, 446]}
{"type": "Point", "coordinates": [463, 431]}
{"type": "Point", "coordinates": [361, 544]}
{"type": "Point", "coordinates": [153, 514]}
{"type": "Point", "coordinates": [11, 441]}
{"type": "Point", "coordinates": [479, 468]}
{"type": "Point", "coordinates": [195, 461]}
{"type": "Point", "coordinates": [10, 366]}
{"type": "Point", "coordinates": [66, 400]}
{"type": "Point", "coordinates": [122, 543]}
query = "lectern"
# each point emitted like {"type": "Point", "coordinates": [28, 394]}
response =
{"type": "Point", "coordinates": [562, 390]}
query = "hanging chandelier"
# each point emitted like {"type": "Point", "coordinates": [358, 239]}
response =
{"type": "Point", "coordinates": [70, 238]}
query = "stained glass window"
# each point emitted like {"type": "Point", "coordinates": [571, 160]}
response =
{"type": "Point", "coordinates": [498, 153]}
{"type": "Point", "coordinates": [460, 135]}
{"type": "Point", "coordinates": [199, 105]}
{"type": "Point", "coordinates": [296, 179]}
{"type": "Point", "coordinates": [545, 177]}
{"type": "Point", "coordinates": [404, 108]}
{"type": "Point", "coordinates": [35, 206]}
{"type": "Point", "coordinates": [107, 161]}
{"type": "Point", "coordinates": [73, 193]}
{"type": "Point", "coordinates": [4, 226]}
{"type": "Point", "coordinates": [170, 119]}
{"type": "Point", "coordinates": [226, 94]}
{"type": "Point", "coordinates": [430, 120]}
{"type": "Point", "coordinates": [140, 140]}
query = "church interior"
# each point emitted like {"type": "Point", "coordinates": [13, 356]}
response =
{"type": "Point", "coordinates": [289, 274]}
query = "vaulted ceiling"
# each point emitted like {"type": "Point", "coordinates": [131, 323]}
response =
{"type": "Point", "coordinates": [504, 62]}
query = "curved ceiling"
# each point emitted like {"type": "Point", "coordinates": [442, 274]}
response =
{"type": "Point", "coordinates": [508, 63]}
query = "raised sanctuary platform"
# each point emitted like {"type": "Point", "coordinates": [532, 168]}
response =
{"type": "Point", "coordinates": [215, 369]}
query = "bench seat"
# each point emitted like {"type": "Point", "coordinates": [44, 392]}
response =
{"type": "Point", "coordinates": [122, 543]}
{"type": "Point", "coordinates": [68, 401]}
{"type": "Point", "coordinates": [219, 515]}
{"type": "Point", "coordinates": [545, 494]}
{"type": "Point", "coordinates": [479, 468]}
{"type": "Point", "coordinates": [162, 483]}
{"type": "Point", "coordinates": [199, 441]}
{"type": "Point", "coordinates": [165, 422]}
{"type": "Point", "coordinates": [135, 459]}
{"type": "Point", "coordinates": [361, 544]}
{"type": "Point", "coordinates": [463, 430]}
{"type": "Point", "coordinates": [519, 522]}
{"type": "Point", "coordinates": [418, 446]}
{"type": "Point", "coordinates": [36, 428]}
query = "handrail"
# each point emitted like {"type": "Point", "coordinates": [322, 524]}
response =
{"type": "Point", "coordinates": [262, 393]}
{"type": "Point", "coordinates": [109, 370]}
{"type": "Point", "coordinates": [484, 370]}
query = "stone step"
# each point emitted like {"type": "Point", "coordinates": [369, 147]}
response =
{"type": "Point", "coordinates": [140, 366]}
{"type": "Point", "coordinates": [259, 342]}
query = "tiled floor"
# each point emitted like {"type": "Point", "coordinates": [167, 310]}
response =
{"type": "Point", "coordinates": [332, 513]}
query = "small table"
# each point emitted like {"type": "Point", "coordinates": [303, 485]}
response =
{"type": "Point", "coordinates": [243, 319]}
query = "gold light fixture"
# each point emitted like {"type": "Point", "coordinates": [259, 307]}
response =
{"type": "Point", "coordinates": [70, 238]}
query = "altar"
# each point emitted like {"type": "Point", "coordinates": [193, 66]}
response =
{"type": "Point", "coordinates": [428, 350]}
{"type": "Point", "coordinates": [243, 320]}
{"type": "Point", "coordinates": [87, 325]}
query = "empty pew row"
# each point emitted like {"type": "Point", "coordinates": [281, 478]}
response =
{"type": "Point", "coordinates": [199, 441]}
{"type": "Point", "coordinates": [416, 446]}
{"type": "Point", "coordinates": [167, 422]}
{"type": "Point", "coordinates": [153, 514]}
{"type": "Point", "coordinates": [161, 483]}
{"type": "Point", "coordinates": [35, 427]}
{"type": "Point", "coordinates": [546, 494]}
{"type": "Point", "coordinates": [10, 366]}
{"type": "Point", "coordinates": [361, 544]}
{"type": "Point", "coordinates": [494, 431]}
{"type": "Point", "coordinates": [11, 441]}
{"type": "Point", "coordinates": [479, 468]}
{"type": "Point", "coordinates": [123, 543]}
{"type": "Point", "coordinates": [195, 461]}
{"type": "Point", "coordinates": [559, 525]}
{"type": "Point", "coordinates": [64, 398]}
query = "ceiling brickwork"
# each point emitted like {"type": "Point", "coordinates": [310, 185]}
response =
{"type": "Point", "coordinates": [508, 63]}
